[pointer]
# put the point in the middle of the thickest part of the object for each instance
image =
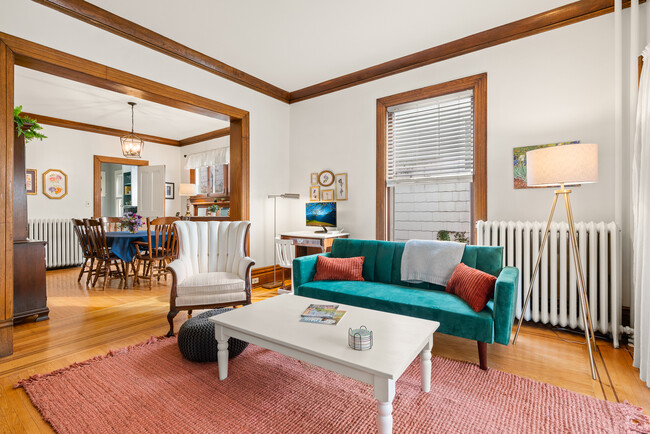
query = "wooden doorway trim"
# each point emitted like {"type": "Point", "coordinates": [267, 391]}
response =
{"type": "Point", "coordinates": [476, 83]}
{"type": "Point", "coordinates": [97, 177]}
{"type": "Point", "coordinates": [16, 51]}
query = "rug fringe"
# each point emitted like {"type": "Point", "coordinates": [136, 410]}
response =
{"type": "Point", "coordinates": [77, 365]}
{"type": "Point", "coordinates": [636, 421]}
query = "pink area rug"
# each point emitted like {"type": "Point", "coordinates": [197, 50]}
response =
{"type": "Point", "coordinates": [151, 388]}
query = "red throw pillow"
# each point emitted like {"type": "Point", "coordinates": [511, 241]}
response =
{"type": "Point", "coordinates": [472, 285]}
{"type": "Point", "coordinates": [339, 268]}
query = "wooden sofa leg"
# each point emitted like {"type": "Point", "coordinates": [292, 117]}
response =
{"type": "Point", "coordinates": [170, 319]}
{"type": "Point", "coordinates": [482, 355]}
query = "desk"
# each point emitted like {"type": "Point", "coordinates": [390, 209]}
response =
{"type": "Point", "coordinates": [309, 243]}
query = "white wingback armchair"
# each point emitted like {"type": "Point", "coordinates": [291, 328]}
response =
{"type": "Point", "coordinates": [212, 269]}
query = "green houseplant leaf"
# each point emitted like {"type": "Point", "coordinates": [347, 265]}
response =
{"type": "Point", "coordinates": [31, 132]}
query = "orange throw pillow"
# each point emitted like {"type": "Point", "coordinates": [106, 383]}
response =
{"type": "Point", "coordinates": [339, 268]}
{"type": "Point", "coordinates": [472, 285]}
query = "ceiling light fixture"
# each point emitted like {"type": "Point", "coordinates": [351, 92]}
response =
{"type": "Point", "coordinates": [131, 144]}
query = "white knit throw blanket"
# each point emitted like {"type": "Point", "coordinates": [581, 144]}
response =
{"type": "Point", "coordinates": [430, 261]}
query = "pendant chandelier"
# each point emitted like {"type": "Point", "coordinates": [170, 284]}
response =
{"type": "Point", "coordinates": [131, 144]}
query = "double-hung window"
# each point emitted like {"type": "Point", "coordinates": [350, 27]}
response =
{"type": "Point", "coordinates": [430, 168]}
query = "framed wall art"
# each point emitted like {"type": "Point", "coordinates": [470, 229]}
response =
{"type": "Point", "coordinates": [314, 178]}
{"type": "Point", "coordinates": [30, 181]}
{"type": "Point", "coordinates": [314, 193]}
{"type": "Point", "coordinates": [520, 177]}
{"type": "Point", "coordinates": [169, 190]}
{"type": "Point", "coordinates": [326, 178]}
{"type": "Point", "coordinates": [327, 195]}
{"type": "Point", "coordinates": [55, 184]}
{"type": "Point", "coordinates": [341, 186]}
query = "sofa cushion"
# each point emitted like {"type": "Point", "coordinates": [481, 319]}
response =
{"type": "Point", "coordinates": [474, 286]}
{"type": "Point", "coordinates": [339, 268]}
{"type": "Point", "coordinates": [210, 283]}
{"type": "Point", "coordinates": [455, 316]}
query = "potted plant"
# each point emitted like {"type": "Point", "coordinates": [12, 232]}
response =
{"type": "Point", "coordinates": [27, 126]}
{"type": "Point", "coordinates": [213, 209]}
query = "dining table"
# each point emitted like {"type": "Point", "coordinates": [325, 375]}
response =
{"type": "Point", "coordinates": [121, 244]}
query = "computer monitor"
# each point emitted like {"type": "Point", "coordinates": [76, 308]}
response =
{"type": "Point", "coordinates": [321, 214]}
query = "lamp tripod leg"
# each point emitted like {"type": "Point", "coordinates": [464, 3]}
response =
{"type": "Point", "coordinates": [590, 337]}
{"type": "Point", "coordinates": [539, 259]}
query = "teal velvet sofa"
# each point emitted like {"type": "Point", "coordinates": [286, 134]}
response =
{"type": "Point", "coordinates": [382, 289]}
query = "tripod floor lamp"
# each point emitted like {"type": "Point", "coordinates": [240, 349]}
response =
{"type": "Point", "coordinates": [557, 166]}
{"type": "Point", "coordinates": [275, 197]}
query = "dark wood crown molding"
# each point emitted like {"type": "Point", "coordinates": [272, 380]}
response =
{"type": "Point", "coordinates": [91, 14]}
{"type": "Point", "coordinates": [64, 123]}
{"type": "Point", "coordinates": [542, 22]}
{"type": "Point", "coordinates": [535, 24]}
{"type": "Point", "coordinates": [203, 137]}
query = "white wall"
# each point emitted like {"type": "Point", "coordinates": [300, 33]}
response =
{"type": "Point", "coordinates": [555, 86]}
{"type": "Point", "coordinates": [72, 151]}
{"type": "Point", "coordinates": [269, 118]}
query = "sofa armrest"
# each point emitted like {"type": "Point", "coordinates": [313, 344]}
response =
{"type": "Point", "coordinates": [505, 299]}
{"type": "Point", "coordinates": [179, 270]}
{"type": "Point", "coordinates": [244, 270]}
{"type": "Point", "coordinates": [304, 269]}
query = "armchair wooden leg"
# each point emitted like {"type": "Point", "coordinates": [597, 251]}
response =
{"type": "Point", "coordinates": [170, 319]}
{"type": "Point", "coordinates": [482, 355]}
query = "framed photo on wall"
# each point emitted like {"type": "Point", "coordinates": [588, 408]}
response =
{"type": "Point", "coordinates": [314, 178]}
{"type": "Point", "coordinates": [341, 186]}
{"type": "Point", "coordinates": [314, 193]}
{"type": "Point", "coordinates": [30, 181]}
{"type": "Point", "coordinates": [169, 190]}
{"type": "Point", "coordinates": [327, 195]}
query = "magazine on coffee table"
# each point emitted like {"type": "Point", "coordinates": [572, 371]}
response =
{"type": "Point", "coordinates": [320, 311]}
{"type": "Point", "coordinates": [322, 320]}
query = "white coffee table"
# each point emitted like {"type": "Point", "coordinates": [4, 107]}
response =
{"type": "Point", "coordinates": [274, 324]}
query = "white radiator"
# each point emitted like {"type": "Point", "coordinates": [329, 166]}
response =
{"type": "Point", "coordinates": [555, 295]}
{"type": "Point", "coordinates": [63, 249]}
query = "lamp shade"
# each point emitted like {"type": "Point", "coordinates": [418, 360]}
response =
{"type": "Point", "coordinates": [566, 164]}
{"type": "Point", "coordinates": [187, 190]}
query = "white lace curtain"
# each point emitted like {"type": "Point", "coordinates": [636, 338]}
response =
{"type": "Point", "coordinates": [208, 158]}
{"type": "Point", "coordinates": [641, 224]}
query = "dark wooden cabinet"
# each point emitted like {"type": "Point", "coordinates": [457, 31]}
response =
{"type": "Point", "coordinates": [30, 289]}
{"type": "Point", "coordinates": [30, 295]}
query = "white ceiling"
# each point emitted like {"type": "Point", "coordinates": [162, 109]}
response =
{"type": "Point", "coordinates": [296, 43]}
{"type": "Point", "coordinates": [57, 97]}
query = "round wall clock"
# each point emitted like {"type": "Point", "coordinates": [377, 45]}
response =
{"type": "Point", "coordinates": [325, 178]}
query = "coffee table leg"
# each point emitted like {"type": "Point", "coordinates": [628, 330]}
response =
{"type": "Point", "coordinates": [384, 394]}
{"type": "Point", "coordinates": [425, 364]}
{"type": "Point", "coordinates": [222, 352]}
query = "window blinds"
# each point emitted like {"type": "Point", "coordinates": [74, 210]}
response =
{"type": "Point", "coordinates": [431, 138]}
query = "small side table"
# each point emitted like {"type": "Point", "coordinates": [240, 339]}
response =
{"type": "Point", "coordinates": [310, 243]}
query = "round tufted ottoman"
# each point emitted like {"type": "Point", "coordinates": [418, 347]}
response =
{"type": "Point", "coordinates": [196, 339]}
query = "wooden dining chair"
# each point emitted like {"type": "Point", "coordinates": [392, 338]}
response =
{"type": "Point", "coordinates": [105, 258]}
{"type": "Point", "coordinates": [159, 250]}
{"type": "Point", "coordinates": [86, 248]}
{"type": "Point", "coordinates": [111, 224]}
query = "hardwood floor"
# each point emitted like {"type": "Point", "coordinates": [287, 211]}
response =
{"type": "Point", "coordinates": [87, 322]}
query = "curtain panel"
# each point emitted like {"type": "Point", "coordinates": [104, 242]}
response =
{"type": "Point", "coordinates": [641, 224]}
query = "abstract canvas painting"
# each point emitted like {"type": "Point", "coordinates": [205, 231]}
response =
{"type": "Point", "coordinates": [519, 162]}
